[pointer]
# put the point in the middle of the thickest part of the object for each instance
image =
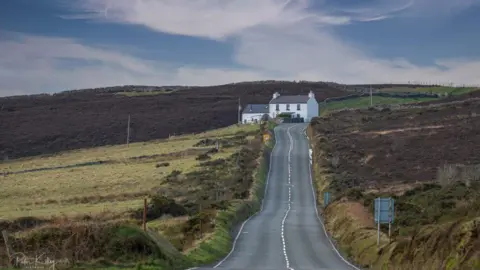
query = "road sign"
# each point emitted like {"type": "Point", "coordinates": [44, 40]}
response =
{"type": "Point", "coordinates": [326, 198]}
{"type": "Point", "coordinates": [384, 207]}
{"type": "Point", "coordinates": [266, 137]}
{"type": "Point", "coordinates": [384, 213]}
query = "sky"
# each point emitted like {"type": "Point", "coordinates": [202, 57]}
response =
{"type": "Point", "coordinates": [54, 45]}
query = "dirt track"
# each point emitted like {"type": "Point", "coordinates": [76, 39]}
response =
{"type": "Point", "coordinates": [47, 124]}
{"type": "Point", "coordinates": [376, 148]}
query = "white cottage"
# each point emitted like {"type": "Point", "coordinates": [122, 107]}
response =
{"type": "Point", "coordinates": [300, 106]}
{"type": "Point", "coordinates": [253, 113]}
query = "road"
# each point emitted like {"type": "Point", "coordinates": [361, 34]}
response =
{"type": "Point", "coordinates": [286, 233]}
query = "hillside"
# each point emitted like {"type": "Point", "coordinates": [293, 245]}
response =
{"type": "Point", "coordinates": [425, 156]}
{"type": "Point", "coordinates": [41, 124]}
{"type": "Point", "coordinates": [85, 206]}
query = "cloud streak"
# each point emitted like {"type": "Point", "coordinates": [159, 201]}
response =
{"type": "Point", "coordinates": [273, 40]}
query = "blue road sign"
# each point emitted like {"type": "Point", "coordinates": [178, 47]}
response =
{"type": "Point", "coordinates": [385, 208]}
{"type": "Point", "coordinates": [326, 198]}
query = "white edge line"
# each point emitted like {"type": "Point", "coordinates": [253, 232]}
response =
{"type": "Point", "coordinates": [261, 207]}
{"type": "Point", "coordinates": [318, 217]}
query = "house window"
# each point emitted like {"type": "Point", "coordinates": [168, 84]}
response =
{"type": "Point", "coordinates": [288, 107]}
{"type": "Point", "coordinates": [298, 107]}
{"type": "Point", "coordinates": [278, 107]}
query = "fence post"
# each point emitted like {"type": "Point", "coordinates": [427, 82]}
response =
{"type": "Point", "coordinates": [7, 246]}
{"type": "Point", "coordinates": [145, 214]}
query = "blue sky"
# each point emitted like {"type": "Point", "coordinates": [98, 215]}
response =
{"type": "Point", "coordinates": [53, 45]}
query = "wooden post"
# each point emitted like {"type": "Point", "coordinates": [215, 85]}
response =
{"type": "Point", "coordinates": [378, 229]}
{"type": "Point", "coordinates": [7, 246]}
{"type": "Point", "coordinates": [128, 131]}
{"type": "Point", "coordinates": [145, 214]}
{"type": "Point", "coordinates": [390, 221]}
{"type": "Point", "coordinates": [200, 216]}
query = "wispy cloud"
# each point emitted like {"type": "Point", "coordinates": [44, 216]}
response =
{"type": "Point", "coordinates": [33, 64]}
{"type": "Point", "coordinates": [273, 40]}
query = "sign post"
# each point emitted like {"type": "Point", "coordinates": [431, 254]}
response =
{"type": "Point", "coordinates": [384, 214]}
{"type": "Point", "coordinates": [326, 199]}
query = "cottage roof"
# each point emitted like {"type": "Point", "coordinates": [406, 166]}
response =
{"type": "Point", "coordinates": [256, 108]}
{"type": "Point", "coordinates": [290, 99]}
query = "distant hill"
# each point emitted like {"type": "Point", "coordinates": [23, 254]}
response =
{"type": "Point", "coordinates": [43, 124]}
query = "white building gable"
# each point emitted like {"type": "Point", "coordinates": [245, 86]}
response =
{"type": "Point", "coordinates": [300, 106]}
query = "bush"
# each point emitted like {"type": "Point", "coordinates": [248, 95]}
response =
{"type": "Point", "coordinates": [450, 173]}
{"type": "Point", "coordinates": [161, 205]}
{"type": "Point", "coordinates": [215, 162]}
{"type": "Point", "coordinates": [163, 164]}
{"type": "Point", "coordinates": [203, 156]}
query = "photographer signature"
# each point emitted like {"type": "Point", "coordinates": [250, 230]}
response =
{"type": "Point", "coordinates": [39, 261]}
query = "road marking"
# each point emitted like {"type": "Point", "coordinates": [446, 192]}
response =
{"type": "Point", "coordinates": [289, 198]}
{"type": "Point", "coordinates": [261, 207]}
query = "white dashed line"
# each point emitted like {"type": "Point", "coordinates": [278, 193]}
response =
{"type": "Point", "coordinates": [289, 198]}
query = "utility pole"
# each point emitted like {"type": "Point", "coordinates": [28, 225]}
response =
{"type": "Point", "coordinates": [239, 111]}
{"type": "Point", "coordinates": [371, 98]}
{"type": "Point", "coordinates": [200, 216]}
{"type": "Point", "coordinates": [128, 131]}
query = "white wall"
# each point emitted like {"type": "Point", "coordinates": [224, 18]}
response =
{"type": "Point", "coordinates": [293, 109]}
{"type": "Point", "coordinates": [250, 117]}
{"type": "Point", "coordinates": [312, 109]}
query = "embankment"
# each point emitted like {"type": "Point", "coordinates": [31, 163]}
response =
{"type": "Point", "coordinates": [437, 227]}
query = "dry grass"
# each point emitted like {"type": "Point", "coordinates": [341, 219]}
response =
{"type": "Point", "coordinates": [118, 184]}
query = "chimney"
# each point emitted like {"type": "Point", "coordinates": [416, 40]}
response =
{"type": "Point", "coordinates": [276, 95]}
{"type": "Point", "coordinates": [311, 94]}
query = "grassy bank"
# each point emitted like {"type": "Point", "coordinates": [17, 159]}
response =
{"type": "Point", "coordinates": [437, 222]}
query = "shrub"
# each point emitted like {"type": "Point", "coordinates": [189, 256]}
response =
{"type": "Point", "coordinates": [161, 205]}
{"type": "Point", "coordinates": [203, 156]}
{"type": "Point", "coordinates": [215, 162]}
{"type": "Point", "coordinates": [448, 174]}
{"type": "Point", "coordinates": [162, 164]}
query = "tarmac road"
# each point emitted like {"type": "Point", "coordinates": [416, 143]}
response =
{"type": "Point", "coordinates": [286, 233]}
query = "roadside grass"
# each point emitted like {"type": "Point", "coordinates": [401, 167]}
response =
{"type": "Point", "coordinates": [364, 102]}
{"type": "Point", "coordinates": [105, 178]}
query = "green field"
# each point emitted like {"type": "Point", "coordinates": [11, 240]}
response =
{"type": "Point", "coordinates": [434, 90]}
{"type": "Point", "coordinates": [364, 102]}
{"type": "Point", "coordinates": [114, 178]}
